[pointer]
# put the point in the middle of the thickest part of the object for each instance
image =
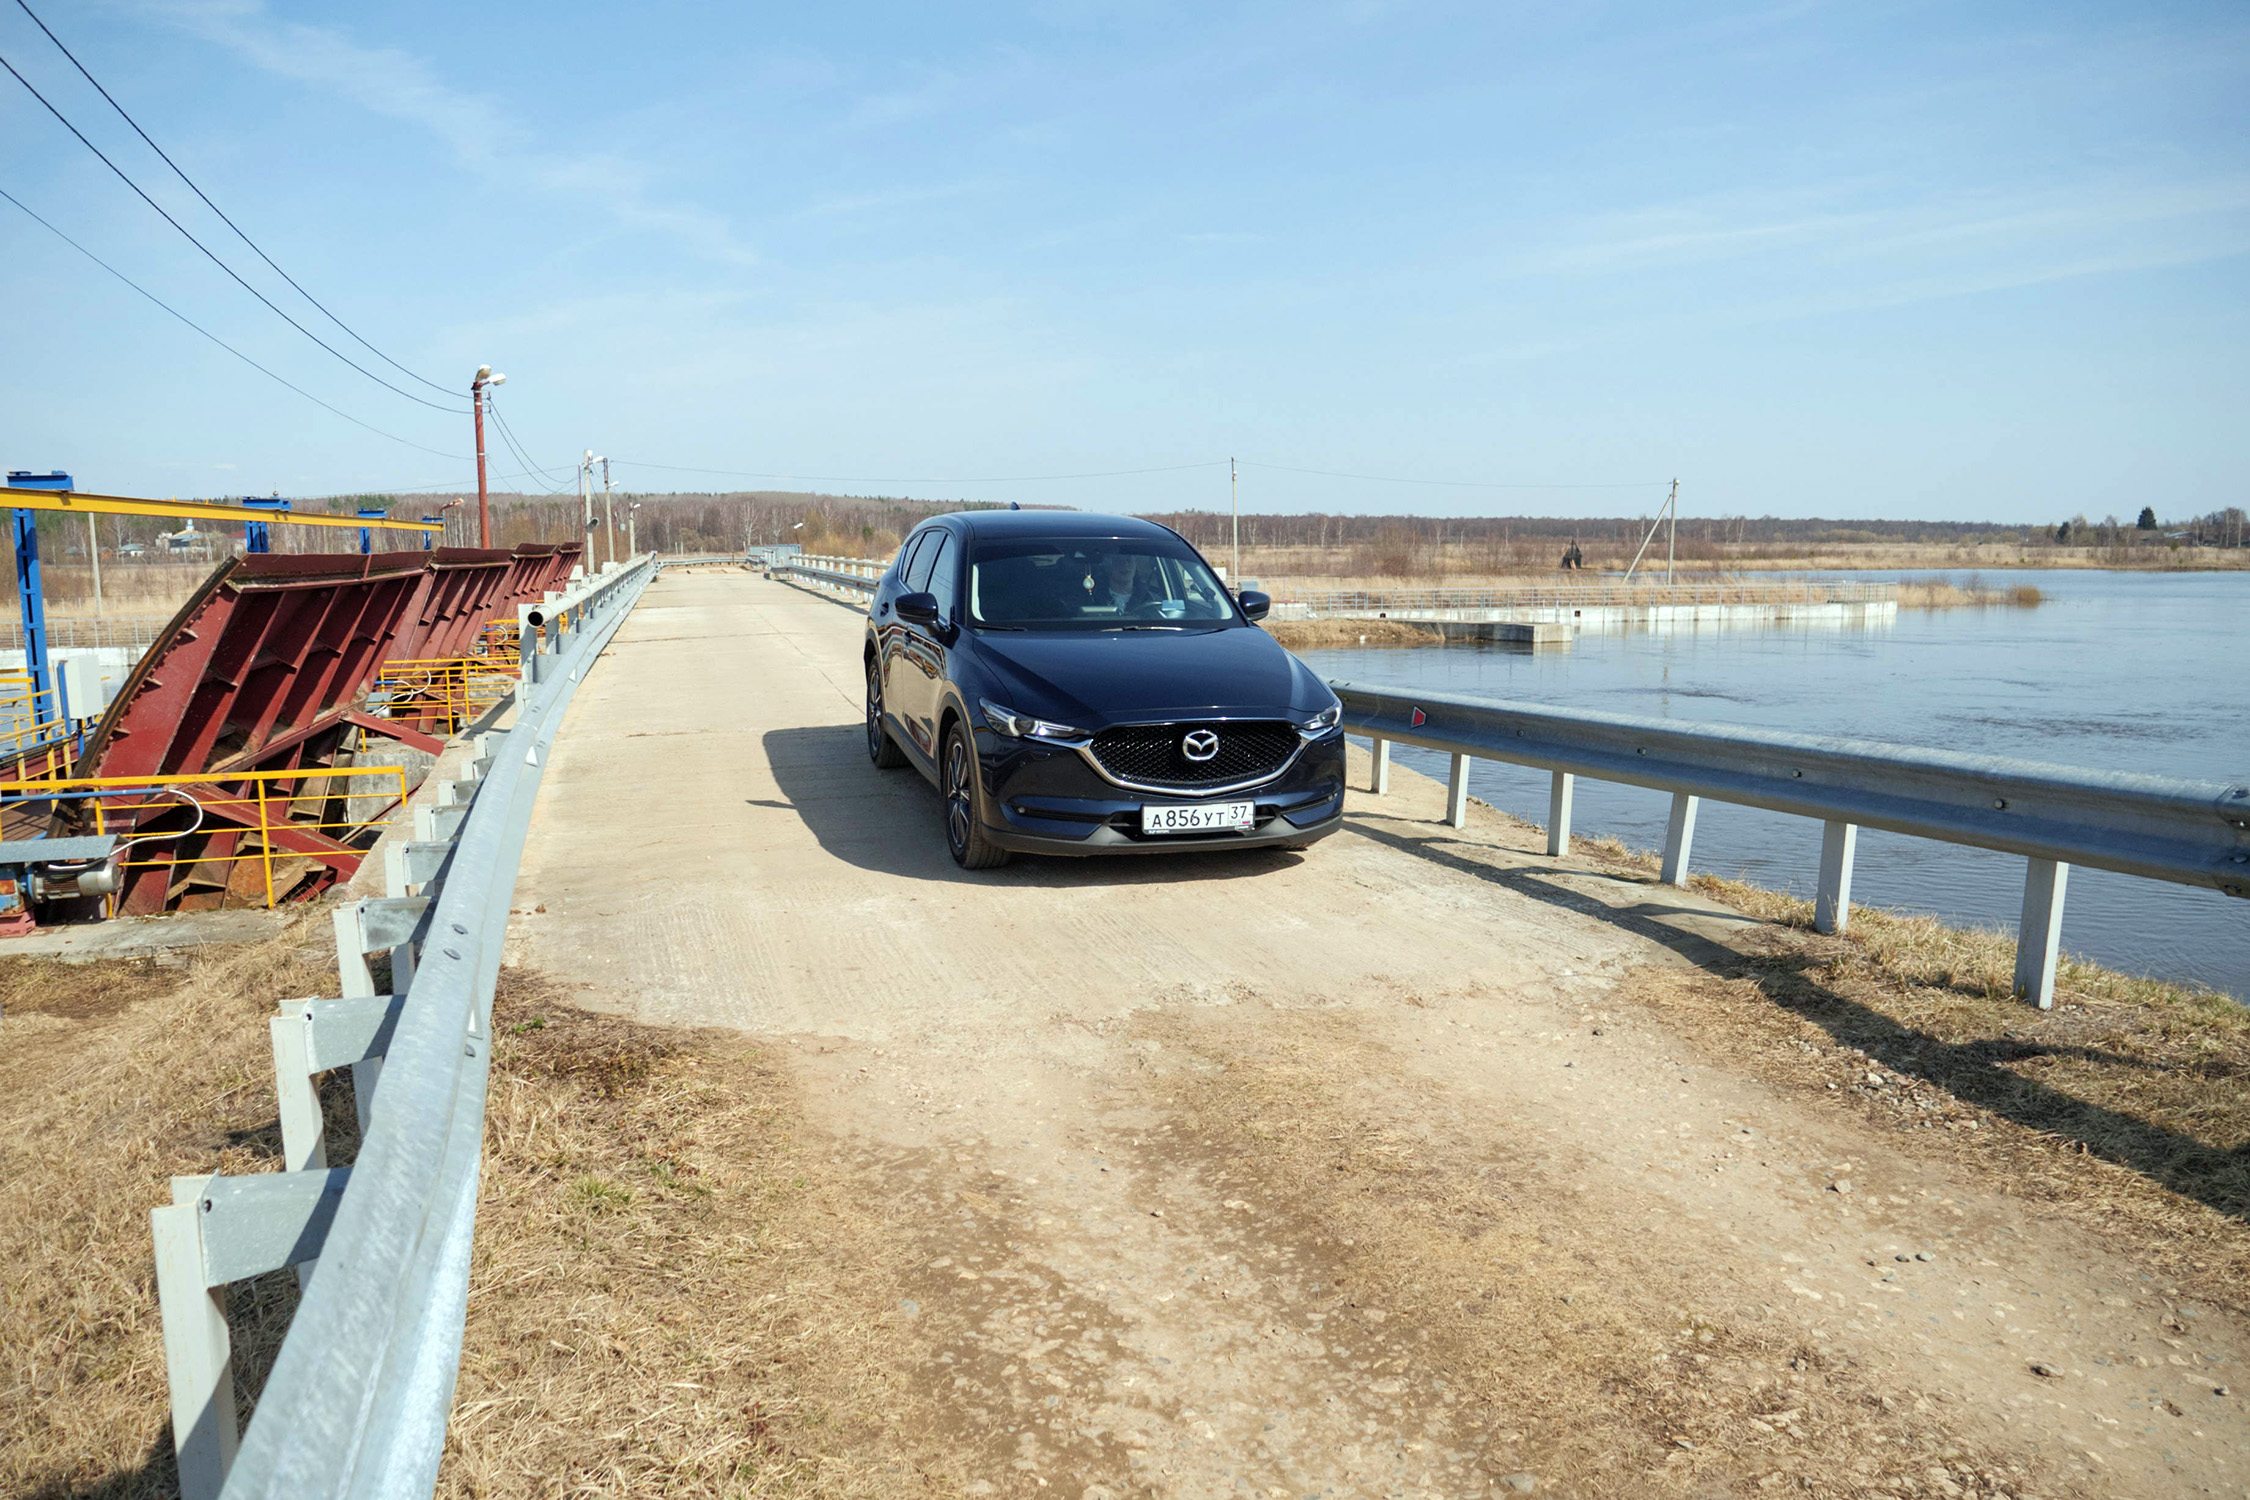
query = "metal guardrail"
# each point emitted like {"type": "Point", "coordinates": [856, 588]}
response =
{"type": "Point", "coordinates": [853, 575]}
{"type": "Point", "coordinates": [2160, 828]}
{"type": "Point", "coordinates": [359, 1396]}
{"type": "Point", "coordinates": [1600, 596]}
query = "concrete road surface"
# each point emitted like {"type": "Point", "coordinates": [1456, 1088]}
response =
{"type": "Point", "coordinates": [1098, 1082]}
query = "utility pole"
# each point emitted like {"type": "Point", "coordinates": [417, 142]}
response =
{"type": "Point", "coordinates": [484, 378]}
{"type": "Point", "coordinates": [609, 512]}
{"type": "Point", "coordinates": [586, 505]}
{"type": "Point", "coordinates": [1672, 537]}
{"type": "Point", "coordinates": [1671, 509]}
{"type": "Point", "coordinates": [1234, 489]}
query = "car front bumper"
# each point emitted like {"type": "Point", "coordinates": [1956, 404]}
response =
{"type": "Point", "coordinates": [1045, 799]}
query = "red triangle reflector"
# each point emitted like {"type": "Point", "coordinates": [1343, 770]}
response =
{"type": "Point", "coordinates": [1418, 720]}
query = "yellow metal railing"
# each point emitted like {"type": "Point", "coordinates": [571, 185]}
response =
{"type": "Point", "coordinates": [502, 639]}
{"type": "Point", "coordinates": [32, 719]}
{"type": "Point", "coordinates": [230, 808]}
{"type": "Point", "coordinates": [443, 693]}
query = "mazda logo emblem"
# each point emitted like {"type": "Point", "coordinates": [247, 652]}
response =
{"type": "Point", "coordinates": [1199, 745]}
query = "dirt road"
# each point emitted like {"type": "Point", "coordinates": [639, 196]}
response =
{"type": "Point", "coordinates": [1379, 1170]}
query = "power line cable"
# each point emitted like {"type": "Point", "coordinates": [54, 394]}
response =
{"type": "Point", "coordinates": [468, 486]}
{"type": "Point", "coordinates": [522, 452]}
{"type": "Point", "coordinates": [214, 338]}
{"type": "Point", "coordinates": [507, 435]}
{"type": "Point", "coordinates": [1459, 484]}
{"type": "Point", "coordinates": [1210, 463]}
{"type": "Point", "coordinates": [206, 197]}
{"type": "Point", "coordinates": [214, 259]}
{"type": "Point", "coordinates": [1207, 463]}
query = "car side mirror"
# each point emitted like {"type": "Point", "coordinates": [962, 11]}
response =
{"type": "Point", "coordinates": [916, 609]}
{"type": "Point", "coordinates": [1254, 604]}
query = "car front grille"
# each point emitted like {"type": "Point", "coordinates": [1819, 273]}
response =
{"type": "Point", "coordinates": [1152, 754]}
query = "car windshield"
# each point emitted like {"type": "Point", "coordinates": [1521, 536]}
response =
{"type": "Point", "coordinates": [1094, 583]}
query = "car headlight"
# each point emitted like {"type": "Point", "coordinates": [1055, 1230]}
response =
{"type": "Point", "coordinates": [1005, 720]}
{"type": "Point", "coordinates": [1325, 720]}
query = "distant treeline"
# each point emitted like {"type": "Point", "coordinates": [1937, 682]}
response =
{"type": "Point", "coordinates": [1208, 529]}
{"type": "Point", "coordinates": [873, 526]}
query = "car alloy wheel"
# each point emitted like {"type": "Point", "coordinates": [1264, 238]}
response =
{"type": "Point", "coordinates": [964, 837]}
{"type": "Point", "coordinates": [881, 749]}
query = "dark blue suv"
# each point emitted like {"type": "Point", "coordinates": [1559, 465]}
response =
{"type": "Point", "coordinates": [1079, 684]}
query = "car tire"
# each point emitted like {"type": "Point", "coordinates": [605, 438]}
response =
{"type": "Point", "coordinates": [881, 748]}
{"type": "Point", "coordinates": [963, 788]}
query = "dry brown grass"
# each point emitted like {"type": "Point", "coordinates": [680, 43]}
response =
{"type": "Point", "coordinates": [1315, 635]}
{"type": "Point", "coordinates": [114, 1077]}
{"type": "Point", "coordinates": [2125, 1108]}
{"type": "Point", "coordinates": [128, 588]}
{"type": "Point", "coordinates": [1576, 1355]}
{"type": "Point", "coordinates": [1468, 565]}
{"type": "Point", "coordinates": [670, 1297]}
{"type": "Point", "coordinates": [1970, 595]}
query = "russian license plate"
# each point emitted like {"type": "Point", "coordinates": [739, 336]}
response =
{"type": "Point", "coordinates": [1208, 817]}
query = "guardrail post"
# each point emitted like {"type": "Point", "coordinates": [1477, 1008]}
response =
{"type": "Point", "coordinates": [1679, 836]}
{"type": "Point", "coordinates": [198, 1350]}
{"type": "Point", "coordinates": [1832, 910]}
{"type": "Point", "coordinates": [1559, 792]}
{"type": "Point", "coordinates": [356, 981]}
{"type": "Point", "coordinates": [2039, 934]}
{"type": "Point", "coordinates": [1380, 782]}
{"type": "Point", "coordinates": [1457, 792]}
{"type": "Point", "coordinates": [304, 1144]}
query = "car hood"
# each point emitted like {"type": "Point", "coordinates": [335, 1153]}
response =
{"type": "Point", "coordinates": [1099, 677]}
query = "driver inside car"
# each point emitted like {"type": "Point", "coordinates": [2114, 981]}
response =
{"type": "Point", "coordinates": [1123, 581]}
{"type": "Point", "coordinates": [1118, 575]}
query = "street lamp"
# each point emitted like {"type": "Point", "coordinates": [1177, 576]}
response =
{"type": "Point", "coordinates": [609, 512]}
{"type": "Point", "coordinates": [632, 529]}
{"type": "Point", "coordinates": [484, 378]}
{"type": "Point", "coordinates": [586, 503]}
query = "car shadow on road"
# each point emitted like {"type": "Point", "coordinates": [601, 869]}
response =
{"type": "Point", "coordinates": [1979, 1072]}
{"type": "Point", "coordinates": [891, 821]}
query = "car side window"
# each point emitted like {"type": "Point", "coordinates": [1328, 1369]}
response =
{"type": "Point", "coordinates": [918, 566]}
{"type": "Point", "coordinates": [945, 563]}
{"type": "Point", "coordinates": [906, 560]}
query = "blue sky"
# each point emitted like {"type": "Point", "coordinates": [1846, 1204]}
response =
{"type": "Point", "coordinates": [1919, 260]}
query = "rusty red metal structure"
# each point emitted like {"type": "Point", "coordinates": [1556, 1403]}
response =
{"type": "Point", "coordinates": [270, 666]}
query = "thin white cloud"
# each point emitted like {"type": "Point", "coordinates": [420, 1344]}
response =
{"type": "Point", "coordinates": [884, 200]}
{"type": "Point", "coordinates": [481, 135]}
{"type": "Point", "coordinates": [2028, 231]}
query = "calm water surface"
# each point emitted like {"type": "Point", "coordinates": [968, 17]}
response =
{"type": "Point", "coordinates": [2117, 671]}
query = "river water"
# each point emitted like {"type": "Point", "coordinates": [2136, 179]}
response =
{"type": "Point", "coordinates": [2141, 672]}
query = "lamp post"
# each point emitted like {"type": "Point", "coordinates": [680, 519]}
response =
{"type": "Point", "coordinates": [609, 509]}
{"type": "Point", "coordinates": [484, 378]}
{"type": "Point", "coordinates": [586, 508]}
{"type": "Point", "coordinates": [633, 529]}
